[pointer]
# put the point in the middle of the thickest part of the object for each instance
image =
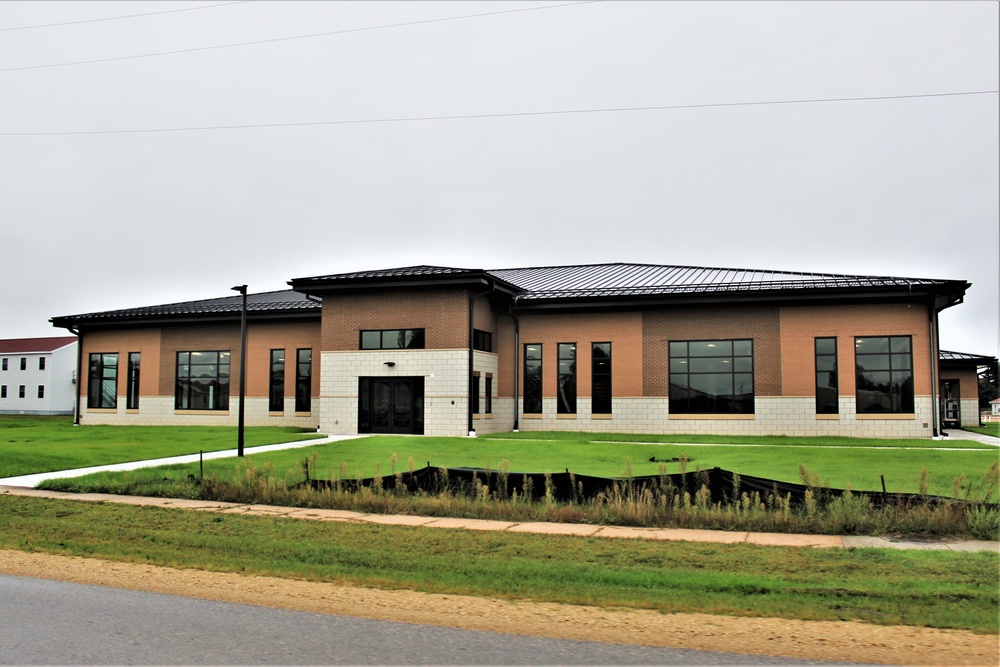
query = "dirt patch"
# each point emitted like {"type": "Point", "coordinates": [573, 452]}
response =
{"type": "Point", "coordinates": [767, 636]}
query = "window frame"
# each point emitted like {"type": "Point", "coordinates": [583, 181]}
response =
{"type": "Point", "coordinates": [899, 402]}
{"type": "Point", "coordinates": [682, 398]}
{"type": "Point", "coordinates": [418, 339]}
{"type": "Point", "coordinates": [41, 363]}
{"type": "Point", "coordinates": [598, 377]}
{"type": "Point", "coordinates": [533, 393]}
{"type": "Point", "coordinates": [488, 394]}
{"type": "Point", "coordinates": [132, 377]}
{"type": "Point", "coordinates": [303, 381]}
{"type": "Point", "coordinates": [566, 378]}
{"type": "Point", "coordinates": [183, 394]}
{"type": "Point", "coordinates": [24, 363]}
{"type": "Point", "coordinates": [41, 391]}
{"type": "Point", "coordinates": [21, 391]}
{"type": "Point", "coordinates": [475, 398]}
{"type": "Point", "coordinates": [276, 381]}
{"type": "Point", "coordinates": [830, 406]}
{"type": "Point", "coordinates": [482, 340]}
{"type": "Point", "coordinates": [99, 380]}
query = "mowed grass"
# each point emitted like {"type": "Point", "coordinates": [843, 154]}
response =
{"type": "Point", "coordinates": [838, 462]}
{"type": "Point", "coordinates": [986, 429]}
{"type": "Point", "coordinates": [42, 444]}
{"type": "Point", "coordinates": [922, 588]}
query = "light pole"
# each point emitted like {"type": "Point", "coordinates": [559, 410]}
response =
{"type": "Point", "coordinates": [242, 289]}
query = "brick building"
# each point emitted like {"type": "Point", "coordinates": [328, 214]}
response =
{"type": "Point", "coordinates": [608, 347]}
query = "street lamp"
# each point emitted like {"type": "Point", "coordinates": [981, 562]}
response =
{"type": "Point", "coordinates": [242, 289]}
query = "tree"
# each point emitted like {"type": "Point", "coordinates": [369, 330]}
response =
{"type": "Point", "coordinates": [989, 385]}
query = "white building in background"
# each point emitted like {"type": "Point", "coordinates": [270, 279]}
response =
{"type": "Point", "coordinates": [38, 376]}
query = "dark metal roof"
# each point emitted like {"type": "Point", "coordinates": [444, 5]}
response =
{"type": "Point", "coordinates": [625, 280]}
{"type": "Point", "coordinates": [35, 345]}
{"type": "Point", "coordinates": [284, 302]}
{"type": "Point", "coordinates": [400, 272]}
{"type": "Point", "coordinates": [978, 359]}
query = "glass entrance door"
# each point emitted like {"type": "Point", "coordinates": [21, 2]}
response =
{"type": "Point", "coordinates": [391, 405]}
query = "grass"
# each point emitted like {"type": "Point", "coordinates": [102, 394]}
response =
{"type": "Point", "coordinates": [921, 588]}
{"type": "Point", "coordinates": [838, 462]}
{"type": "Point", "coordinates": [986, 429]}
{"type": "Point", "coordinates": [42, 444]}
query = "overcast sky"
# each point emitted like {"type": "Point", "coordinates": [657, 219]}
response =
{"type": "Point", "coordinates": [109, 199]}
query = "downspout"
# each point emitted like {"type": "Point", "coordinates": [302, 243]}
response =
{"type": "Point", "coordinates": [935, 406]}
{"type": "Point", "coordinates": [472, 312]}
{"type": "Point", "coordinates": [79, 373]}
{"type": "Point", "coordinates": [517, 363]}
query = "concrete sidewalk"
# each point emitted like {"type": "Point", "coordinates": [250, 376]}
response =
{"type": "Point", "coordinates": [586, 530]}
{"type": "Point", "coordinates": [958, 434]}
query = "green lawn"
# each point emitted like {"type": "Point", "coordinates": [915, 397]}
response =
{"type": "Point", "coordinates": [923, 588]}
{"type": "Point", "coordinates": [986, 429]}
{"type": "Point", "coordinates": [42, 444]}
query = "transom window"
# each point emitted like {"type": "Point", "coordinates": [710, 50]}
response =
{"type": "Point", "coordinates": [711, 377]}
{"type": "Point", "coordinates": [884, 374]}
{"type": "Point", "coordinates": [202, 381]}
{"type": "Point", "coordinates": [392, 339]}
{"type": "Point", "coordinates": [482, 340]}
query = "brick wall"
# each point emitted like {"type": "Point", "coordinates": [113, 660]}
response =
{"type": "Point", "coordinates": [442, 313]}
{"type": "Point", "coordinates": [760, 323]}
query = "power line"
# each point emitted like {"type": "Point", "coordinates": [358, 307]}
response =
{"type": "Point", "coordinates": [127, 16]}
{"type": "Point", "coordinates": [293, 37]}
{"type": "Point", "coordinates": [517, 114]}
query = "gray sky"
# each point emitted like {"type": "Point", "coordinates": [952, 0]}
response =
{"type": "Point", "coordinates": [902, 187]}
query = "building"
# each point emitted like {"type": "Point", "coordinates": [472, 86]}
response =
{"type": "Point", "coordinates": [38, 375]}
{"type": "Point", "coordinates": [606, 347]}
{"type": "Point", "coordinates": [960, 388]}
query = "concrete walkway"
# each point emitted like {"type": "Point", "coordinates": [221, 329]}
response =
{"type": "Point", "coordinates": [958, 434]}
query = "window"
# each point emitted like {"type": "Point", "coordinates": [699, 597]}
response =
{"type": "Point", "coordinates": [102, 380]}
{"type": "Point", "coordinates": [24, 363]}
{"type": "Point", "coordinates": [20, 391]}
{"type": "Point", "coordinates": [3, 364]}
{"type": "Point", "coordinates": [532, 379]}
{"type": "Point", "coordinates": [475, 393]}
{"type": "Point", "coordinates": [489, 394]}
{"type": "Point", "coordinates": [392, 339]}
{"type": "Point", "coordinates": [826, 377]}
{"type": "Point", "coordinates": [482, 340]}
{"type": "Point", "coordinates": [884, 373]}
{"type": "Point", "coordinates": [276, 384]}
{"type": "Point", "coordinates": [132, 382]}
{"type": "Point", "coordinates": [3, 391]}
{"type": "Point", "coordinates": [41, 391]}
{"type": "Point", "coordinates": [600, 378]}
{"type": "Point", "coordinates": [202, 381]}
{"type": "Point", "coordinates": [41, 363]}
{"type": "Point", "coordinates": [303, 380]}
{"type": "Point", "coordinates": [566, 403]}
{"type": "Point", "coordinates": [711, 377]}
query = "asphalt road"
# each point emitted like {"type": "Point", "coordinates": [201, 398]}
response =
{"type": "Point", "coordinates": [45, 622]}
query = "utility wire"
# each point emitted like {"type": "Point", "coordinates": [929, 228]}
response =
{"type": "Point", "coordinates": [491, 115]}
{"type": "Point", "coordinates": [293, 37]}
{"type": "Point", "coordinates": [127, 16]}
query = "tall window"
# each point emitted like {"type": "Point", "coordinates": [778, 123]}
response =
{"type": "Point", "coordinates": [102, 381]}
{"type": "Point", "coordinates": [24, 363]}
{"type": "Point", "coordinates": [303, 380]}
{"type": "Point", "coordinates": [3, 364]}
{"type": "Point", "coordinates": [20, 391]}
{"type": "Point", "coordinates": [711, 377]}
{"type": "Point", "coordinates": [533, 379]}
{"type": "Point", "coordinates": [826, 377]}
{"type": "Point", "coordinates": [41, 391]}
{"type": "Point", "coordinates": [392, 339]}
{"type": "Point", "coordinates": [132, 382]}
{"type": "Point", "coordinates": [600, 378]}
{"type": "Point", "coordinates": [41, 363]}
{"type": "Point", "coordinates": [276, 383]}
{"type": "Point", "coordinates": [3, 391]}
{"type": "Point", "coordinates": [488, 395]}
{"type": "Point", "coordinates": [202, 381]}
{"type": "Point", "coordinates": [566, 398]}
{"type": "Point", "coordinates": [475, 393]}
{"type": "Point", "coordinates": [884, 372]}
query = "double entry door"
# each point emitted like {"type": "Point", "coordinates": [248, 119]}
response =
{"type": "Point", "coordinates": [391, 405]}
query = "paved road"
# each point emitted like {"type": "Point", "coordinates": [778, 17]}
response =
{"type": "Point", "coordinates": [46, 622]}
